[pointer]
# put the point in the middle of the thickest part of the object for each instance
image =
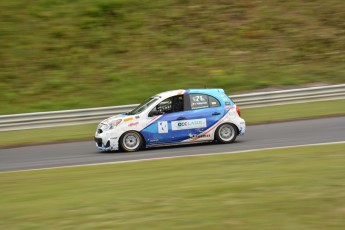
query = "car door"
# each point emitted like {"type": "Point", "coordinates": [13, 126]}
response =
{"type": "Point", "coordinates": [162, 128]}
{"type": "Point", "coordinates": [203, 108]}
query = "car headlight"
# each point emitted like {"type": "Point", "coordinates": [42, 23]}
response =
{"type": "Point", "coordinates": [105, 126]}
{"type": "Point", "coordinates": [114, 123]}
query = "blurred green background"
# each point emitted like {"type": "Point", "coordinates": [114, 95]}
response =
{"type": "Point", "coordinates": [61, 54]}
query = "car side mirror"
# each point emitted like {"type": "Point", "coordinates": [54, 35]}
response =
{"type": "Point", "coordinates": [154, 112]}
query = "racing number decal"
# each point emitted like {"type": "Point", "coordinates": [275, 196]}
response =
{"type": "Point", "coordinates": [199, 101]}
{"type": "Point", "coordinates": [198, 98]}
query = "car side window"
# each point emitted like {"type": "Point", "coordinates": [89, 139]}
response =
{"type": "Point", "coordinates": [213, 102]}
{"type": "Point", "coordinates": [198, 101]}
{"type": "Point", "coordinates": [171, 105]}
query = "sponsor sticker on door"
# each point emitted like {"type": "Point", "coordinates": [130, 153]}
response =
{"type": "Point", "coordinates": [162, 127]}
{"type": "Point", "coordinates": [188, 124]}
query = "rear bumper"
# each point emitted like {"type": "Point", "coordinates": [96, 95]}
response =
{"type": "Point", "coordinates": [241, 127]}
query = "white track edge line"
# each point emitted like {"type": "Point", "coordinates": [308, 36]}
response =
{"type": "Point", "coordinates": [172, 157]}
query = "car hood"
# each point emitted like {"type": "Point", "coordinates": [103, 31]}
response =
{"type": "Point", "coordinates": [109, 120]}
{"type": "Point", "coordinates": [124, 117]}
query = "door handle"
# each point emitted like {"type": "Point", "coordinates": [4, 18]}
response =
{"type": "Point", "coordinates": [180, 118]}
{"type": "Point", "coordinates": [215, 114]}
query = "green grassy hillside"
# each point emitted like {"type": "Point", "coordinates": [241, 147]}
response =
{"type": "Point", "coordinates": [61, 54]}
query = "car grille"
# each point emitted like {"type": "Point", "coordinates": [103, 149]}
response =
{"type": "Point", "coordinates": [98, 141]}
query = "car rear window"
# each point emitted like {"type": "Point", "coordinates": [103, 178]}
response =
{"type": "Point", "coordinates": [200, 101]}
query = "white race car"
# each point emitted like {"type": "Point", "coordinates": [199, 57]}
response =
{"type": "Point", "coordinates": [173, 117]}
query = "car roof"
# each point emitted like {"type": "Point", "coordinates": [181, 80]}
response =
{"type": "Point", "coordinates": [215, 92]}
{"type": "Point", "coordinates": [205, 91]}
{"type": "Point", "coordinates": [189, 91]}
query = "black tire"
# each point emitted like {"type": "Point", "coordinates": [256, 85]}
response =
{"type": "Point", "coordinates": [226, 133]}
{"type": "Point", "coordinates": [131, 141]}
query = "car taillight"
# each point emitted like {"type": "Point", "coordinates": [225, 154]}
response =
{"type": "Point", "coordinates": [238, 111]}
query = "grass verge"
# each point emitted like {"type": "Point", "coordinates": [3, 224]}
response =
{"type": "Point", "coordinates": [294, 111]}
{"type": "Point", "coordinates": [252, 116]}
{"type": "Point", "coordinates": [295, 188]}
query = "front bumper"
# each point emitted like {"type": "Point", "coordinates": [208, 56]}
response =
{"type": "Point", "coordinates": [103, 144]}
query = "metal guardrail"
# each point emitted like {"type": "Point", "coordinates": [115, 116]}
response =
{"type": "Point", "coordinates": [291, 96]}
{"type": "Point", "coordinates": [93, 115]}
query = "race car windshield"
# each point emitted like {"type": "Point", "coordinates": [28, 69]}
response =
{"type": "Point", "coordinates": [143, 106]}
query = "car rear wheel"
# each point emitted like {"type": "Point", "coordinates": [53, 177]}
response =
{"type": "Point", "coordinates": [131, 141]}
{"type": "Point", "coordinates": [226, 133]}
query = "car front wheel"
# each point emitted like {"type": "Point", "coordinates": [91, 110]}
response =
{"type": "Point", "coordinates": [226, 133]}
{"type": "Point", "coordinates": [131, 141]}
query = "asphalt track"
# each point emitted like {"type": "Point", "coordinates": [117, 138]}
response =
{"type": "Point", "coordinates": [257, 137]}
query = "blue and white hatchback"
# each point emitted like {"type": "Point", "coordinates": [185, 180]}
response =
{"type": "Point", "coordinates": [173, 117]}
